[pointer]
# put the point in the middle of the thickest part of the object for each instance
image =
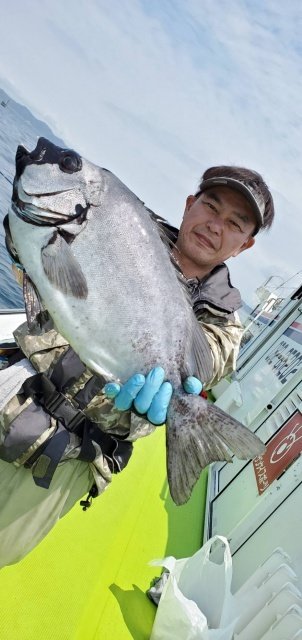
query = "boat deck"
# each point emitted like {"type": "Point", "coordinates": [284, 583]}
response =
{"type": "Point", "coordinates": [87, 579]}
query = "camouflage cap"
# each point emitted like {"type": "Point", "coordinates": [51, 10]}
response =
{"type": "Point", "coordinates": [255, 199]}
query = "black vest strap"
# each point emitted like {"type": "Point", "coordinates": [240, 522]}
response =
{"type": "Point", "coordinates": [48, 460]}
{"type": "Point", "coordinates": [47, 392]}
{"type": "Point", "coordinates": [44, 392]}
{"type": "Point", "coordinates": [67, 370]}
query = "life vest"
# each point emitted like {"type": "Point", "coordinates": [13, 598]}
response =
{"type": "Point", "coordinates": [39, 435]}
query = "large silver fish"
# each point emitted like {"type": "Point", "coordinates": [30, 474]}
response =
{"type": "Point", "coordinates": [104, 274]}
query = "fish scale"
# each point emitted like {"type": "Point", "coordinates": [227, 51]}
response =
{"type": "Point", "coordinates": [108, 282]}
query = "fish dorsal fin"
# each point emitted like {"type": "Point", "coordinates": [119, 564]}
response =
{"type": "Point", "coordinates": [62, 269]}
{"type": "Point", "coordinates": [201, 352]}
{"type": "Point", "coordinates": [162, 228]}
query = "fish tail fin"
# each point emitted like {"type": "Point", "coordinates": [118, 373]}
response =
{"type": "Point", "coordinates": [199, 433]}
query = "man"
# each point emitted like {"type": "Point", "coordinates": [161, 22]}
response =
{"type": "Point", "coordinates": [220, 221]}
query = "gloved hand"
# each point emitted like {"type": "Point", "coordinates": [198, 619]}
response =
{"type": "Point", "coordinates": [150, 395]}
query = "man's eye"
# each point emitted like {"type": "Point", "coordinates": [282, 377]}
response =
{"type": "Point", "coordinates": [211, 206]}
{"type": "Point", "coordinates": [235, 225]}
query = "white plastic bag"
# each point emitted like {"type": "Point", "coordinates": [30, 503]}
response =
{"type": "Point", "coordinates": [196, 603]}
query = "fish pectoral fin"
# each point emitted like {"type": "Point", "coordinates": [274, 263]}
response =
{"type": "Point", "coordinates": [62, 269]}
{"type": "Point", "coordinates": [199, 433]}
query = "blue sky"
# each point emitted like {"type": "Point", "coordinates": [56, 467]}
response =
{"type": "Point", "coordinates": [158, 91]}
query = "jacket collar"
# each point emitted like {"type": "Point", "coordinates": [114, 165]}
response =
{"type": "Point", "coordinates": [215, 289]}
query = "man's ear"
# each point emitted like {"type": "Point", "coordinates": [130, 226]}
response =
{"type": "Point", "coordinates": [189, 201]}
{"type": "Point", "coordinates": [246, 245]}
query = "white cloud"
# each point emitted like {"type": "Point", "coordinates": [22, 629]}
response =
{"type": "Point", "coordinates": [159, 91]}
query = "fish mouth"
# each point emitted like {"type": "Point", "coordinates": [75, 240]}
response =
{"type": "Point", "coordinates": [46, 218]}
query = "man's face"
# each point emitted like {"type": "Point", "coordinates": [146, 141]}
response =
{"type": "Point", "coordinates": [217, 224]}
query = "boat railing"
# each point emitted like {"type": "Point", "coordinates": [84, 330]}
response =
{"type": "Point", "coordinates": [11, 311]}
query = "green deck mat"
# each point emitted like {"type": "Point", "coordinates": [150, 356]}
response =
{"type": "Point", "coordinates": [87, 579]}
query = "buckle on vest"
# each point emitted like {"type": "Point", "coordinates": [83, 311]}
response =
{"type": "Point", "coordinates": [76, 421]}
{"type": "Point", "coordinates": [53, 402]}
{"type": "Point", "coordinates": [61, 408]}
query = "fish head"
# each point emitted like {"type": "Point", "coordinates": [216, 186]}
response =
{"type": "Point", "coordinates": [61, 206]}
{"type": "Point", "coordinates": [54, 186]}
{"type": "Point", "coordinates": [54, 192]}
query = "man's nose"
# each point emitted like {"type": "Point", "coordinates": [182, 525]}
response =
{"type": "Point", "coordinates": [215, 225]}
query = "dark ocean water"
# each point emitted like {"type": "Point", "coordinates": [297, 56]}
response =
{"type": "Point", "coordinates": [17, 126]}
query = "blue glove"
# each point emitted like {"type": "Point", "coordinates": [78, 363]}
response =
{"type": "Point", "coordinates": [150, 395]}
{"type": "Point", "coordinates": [192, 385]}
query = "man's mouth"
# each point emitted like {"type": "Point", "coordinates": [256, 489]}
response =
{"type": "Point", "coordinates": [202, 239]}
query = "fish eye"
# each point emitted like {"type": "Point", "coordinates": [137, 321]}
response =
{"type": "Point", "coordinates": [70, 162]}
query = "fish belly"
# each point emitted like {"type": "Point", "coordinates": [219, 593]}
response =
{"type": "Point", "coordinates": [138, 315]}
